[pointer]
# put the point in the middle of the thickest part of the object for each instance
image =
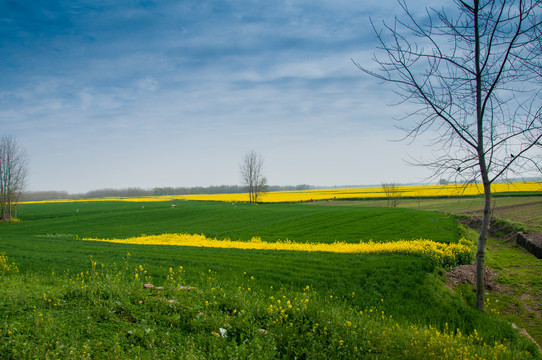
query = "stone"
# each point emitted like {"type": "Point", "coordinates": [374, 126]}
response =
{"type": "Point", "coordinates": [186, 288]}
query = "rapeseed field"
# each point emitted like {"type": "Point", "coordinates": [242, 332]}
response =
{"type": "Point", "coordinates": [407, 191]}
{"type": "Point", "coordinates": [444, 254]}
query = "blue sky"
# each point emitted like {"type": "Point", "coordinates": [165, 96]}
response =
{"type": "Point", "coordinates": [173, 93]}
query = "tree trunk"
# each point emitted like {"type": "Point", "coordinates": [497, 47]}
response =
{"type": "Point", "coordinates": [482, 238]}
{"type": "Point", "coordinates": [480, 253]}
{"type": "Point", "coordinates": [7, 215]}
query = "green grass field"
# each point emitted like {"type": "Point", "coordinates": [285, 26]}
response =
{"type": "Point", "coordinates": [408, 288]}
{"type": "Point", "coordinates": [240, 221]}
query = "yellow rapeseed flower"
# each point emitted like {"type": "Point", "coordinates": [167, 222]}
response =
{"type": "Point", "coordinates": [444, 254]}
{"type": "Point", "coordinates": [452, 190]}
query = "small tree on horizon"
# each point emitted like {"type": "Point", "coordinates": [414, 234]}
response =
{"type": "Point", "coordinates": [392, 192]}
{"type": "Point", "coordinates": [13, 171]}
{"type": "Point", "coordinates": [475, 74]}
{"type": "Point", "coordinates": [251, 169]}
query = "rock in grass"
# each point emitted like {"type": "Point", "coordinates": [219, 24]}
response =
{"type": "Point", "coordinates": [181, 288]}
{"type": "Point", "coordinates": [186, 288]}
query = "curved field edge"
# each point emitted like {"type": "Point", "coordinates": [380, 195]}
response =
{"type": "Point", "coordinates": [106, 312]}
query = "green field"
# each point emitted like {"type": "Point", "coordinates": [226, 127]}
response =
{"type": "Point", "coordinates": [240, 221]}
{"type": "Point", "coordinates": [409, 288]}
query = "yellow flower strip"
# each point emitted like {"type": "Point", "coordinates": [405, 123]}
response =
{"type": "Point", "coordinates": [454, 190]}
{"type": "Point", "coordinates": [444, 254]}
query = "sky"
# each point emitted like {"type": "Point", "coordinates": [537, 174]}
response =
{"type": "Point", "coordinates": [141, 93]}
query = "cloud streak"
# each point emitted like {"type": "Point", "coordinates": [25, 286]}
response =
{"type": "Point", "coordinates": [168, 93]}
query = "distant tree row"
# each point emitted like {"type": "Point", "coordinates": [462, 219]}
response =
{"type": "Point", "coordinates": [222, 189]}
{"type": "Point", "coordinates": [110, 192]}
{"type": "Point", "coordinates": [157, 191]}
{"type": "Point", "coordinates": [44, 195]}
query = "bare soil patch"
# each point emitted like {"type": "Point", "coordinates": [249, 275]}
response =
{"type": "Point", "coordinates": [466, 274]}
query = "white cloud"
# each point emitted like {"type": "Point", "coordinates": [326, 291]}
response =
{"type": "Point", "coordinates": [148, 84]}
{"type": "Point", "coordinates": [176, 99]}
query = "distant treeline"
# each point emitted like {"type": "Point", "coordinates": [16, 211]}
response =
{"type": "Point", "coordinates": [221, 189]}
{"type": "Point", "coordinates": [44, 195]}
{"type": "Point", "coordinates": [134, 192]}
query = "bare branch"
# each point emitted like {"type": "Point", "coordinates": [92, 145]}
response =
{"type": "Point", "coordinates": [476, 78]}
{"type": "Point", "coordinates": [13, 172]}
{"type": "Point", "coordinates": [251, 170]}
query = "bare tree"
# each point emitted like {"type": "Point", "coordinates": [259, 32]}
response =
{"type": "Point", "coordinates": [392, 192]}
{"type": "Point", "coordinates": [474, 72]}
{"type": "Point", "coordinates": [251, 169]}
{"type": "Point", "coordinates": [13, 171]}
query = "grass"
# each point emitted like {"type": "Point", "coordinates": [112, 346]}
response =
{"type": "Point", "coordinates": [240, 221]}
{"type": "Point", "coordinates": [409, 288]}
{"type": "Point", "coordinates": [520, 285]}
{"type": "Point", "coordinates": [518, 272]}
{"type": "Point", "coordinates": [105, 312]}
{"type": "Point", "coordinates": [371, 277]}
